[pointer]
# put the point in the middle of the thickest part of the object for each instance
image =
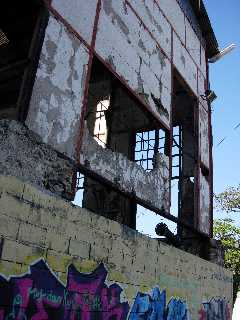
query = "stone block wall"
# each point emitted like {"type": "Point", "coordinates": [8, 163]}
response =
{"type": "Point", "coordinates": [58, 261]}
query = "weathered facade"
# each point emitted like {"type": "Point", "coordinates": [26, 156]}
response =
{"type": "Point", "coordinates": [112, 94]}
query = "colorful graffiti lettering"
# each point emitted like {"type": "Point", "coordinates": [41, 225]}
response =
{"type": "Point", "coordinates": [153, 307]}
{"type": "Point", "coordinates": [39, 295]}
{"type": "Point", "coordinates": [215, 309]}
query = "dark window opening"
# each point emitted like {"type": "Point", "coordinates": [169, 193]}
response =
{"type": "Point", "coordinates": [115, 119]}
{"type": "Point", "coordinates": [148, 144]}
{"type": "Point", "coordinates": [117, 122]}
{"type": "Point", "coordinates": [184, 156]}
{"type": "Point", "coordinates": [21, 33]}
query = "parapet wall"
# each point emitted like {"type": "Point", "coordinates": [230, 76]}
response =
{"type": "Point", "coordinates": [58, 261]}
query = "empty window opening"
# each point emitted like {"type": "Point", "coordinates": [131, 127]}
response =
{"type": "Point", "coordinates": [79, 189]}
{"type": "Point", "coordinates": [100, 127]}
{"type": "Point", "coordinates": [149, 143]}
{"type": "Point", "coordinates": [116, 121]}
{"type": "Point", "coordinates": [20, 33]}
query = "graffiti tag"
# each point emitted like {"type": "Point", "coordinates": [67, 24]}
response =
{"type": "Point", "coordinates": [39, 295]}
{"type": "Point", "coordinates": [154, 307]}
{"type": "Point", "coordinates": [215, 309]}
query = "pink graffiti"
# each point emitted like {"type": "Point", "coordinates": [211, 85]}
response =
{"type": "Point", "coordinates": [215, 309]}
{"type": "Point", "coordinates": [39, 295]}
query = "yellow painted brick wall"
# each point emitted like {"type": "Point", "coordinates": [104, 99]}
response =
{"type": "Point", "coordinates": [35, 226]}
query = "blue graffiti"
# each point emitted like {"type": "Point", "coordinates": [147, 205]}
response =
{"type": "Point", "coordinates": [153, 306]}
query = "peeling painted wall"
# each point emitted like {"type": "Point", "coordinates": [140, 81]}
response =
{"type": "Point", "coordinates": [152, 187]}
{"type": "Point", "coordinates": [128, 47]}
{"type": "Point", "coordinates": [173, 12]}
{"type": "Point", "coordinates": [184, 64]}
{"type": "Point", "coordinates": [204, 210]}
{"type": "Point", "coordinates": [80, 14]}
{"type": "Point", "coordinates": [57, 96]}
{"type": "Point", "coordinates": [204, 136]}
{"type": "Point", "coordinates": [193, 43]}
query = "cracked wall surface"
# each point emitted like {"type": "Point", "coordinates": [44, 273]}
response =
{"type": "Point", "coordinates": [204, 136]}
{"type": "Point", "coordinates": [204, 217]}
{"type": "Point", "coordinates": [80, 14]}
{"type": "Point", "coordinates": [56, 102]}
{"type": "Point", "coordinates": [128, 47]}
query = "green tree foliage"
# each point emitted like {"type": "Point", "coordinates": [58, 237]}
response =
{"type": "Point", "coordinates": [229, 200]}
{"type": "Point", "coordinates": [229, 234]}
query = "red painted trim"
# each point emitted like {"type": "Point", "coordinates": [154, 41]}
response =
{"type": "Point", "coordinates": [185, 31]}
{"type": "Point", "coordinates": [133, 93]}
{"type": "Point", "coordinates": [198, 182]}
{"type": "Point", "coordinates": [185, 17]}
{"type": "Point", "coordinates": [59, 17]}
{"type": "Point", "coordinates": [210, 137]}
{"type": "Point", "coordinates": [85, 99]}
{"type": "Point", "coordinates": [171, 123]}
{"type": "Point", "coordinates": [91, 50]}
{"type": "Point", "coordinates": [146, 28]}
{"type": "Point", "coordinates": [178, 35]}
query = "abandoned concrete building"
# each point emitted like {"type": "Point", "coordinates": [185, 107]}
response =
{"type": "Point", "coordinates": [108, 99]}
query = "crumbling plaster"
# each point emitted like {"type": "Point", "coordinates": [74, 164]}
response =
{"type": "Point", "coordinates": [204, 136]}
{"type": "Point", "coordinates": [80, 14]}
{"type": "Point", "coordinates": [204, 210]}
{"type": "Point", "coordinates": [24, 155]}
{"type": "Point", "coordinates": [184, 64]}
{"type": "Point", "coordinates": [155, 22]}
{"type": "Point", "coordinates": [151, 187]}
{"type": "Point", "coordinates": [57, 97]}
{"type": "Point", "coordinates": [124, 43]}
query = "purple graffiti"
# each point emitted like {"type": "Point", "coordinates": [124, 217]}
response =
{"type": "Point", "coordinates": [215, 309]}
{"type": "Point", "coordinates": [154, 307]}
{"type": "Point", "coordinates": [39, 295]}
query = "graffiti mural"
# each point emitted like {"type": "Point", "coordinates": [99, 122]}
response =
{"type": "Point", "coordinates": [215, 309]}
{"type": "Point", "coordinates": [39, 295]}
{"type": "Point", "coordinates": [154, 307]}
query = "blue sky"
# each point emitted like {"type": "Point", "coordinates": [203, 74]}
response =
{"type": "Point", "coordinates": [224, 77]}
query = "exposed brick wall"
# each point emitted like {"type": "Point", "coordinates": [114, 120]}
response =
{"type": "Point", "coordinates": [34, 225]}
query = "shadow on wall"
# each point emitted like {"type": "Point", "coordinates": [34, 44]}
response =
{"type": "Point", "coordinates": [39, 294]}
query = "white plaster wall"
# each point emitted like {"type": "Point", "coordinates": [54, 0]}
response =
{"type": "Point", "coordinates": [155, 21]}
{"type": "Point", "coordinates": [124, 43]}
{"type": "Point", "coordinates": [192, 43]}
{"type": "Point", "coordinates": [204, 214]}
{"type": "Point", "coordinates": [203, 61]}
{"type": "Point", "coordinates": [184, 64]}
{"type": "Point", "coordinates": [57, 96]}
{"type": "Point", "coordinates": [175, 15]}
{"type": "Point", "coordinates": [204, 136]}
{"type": "Point", "coordinates": [80, 14]}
